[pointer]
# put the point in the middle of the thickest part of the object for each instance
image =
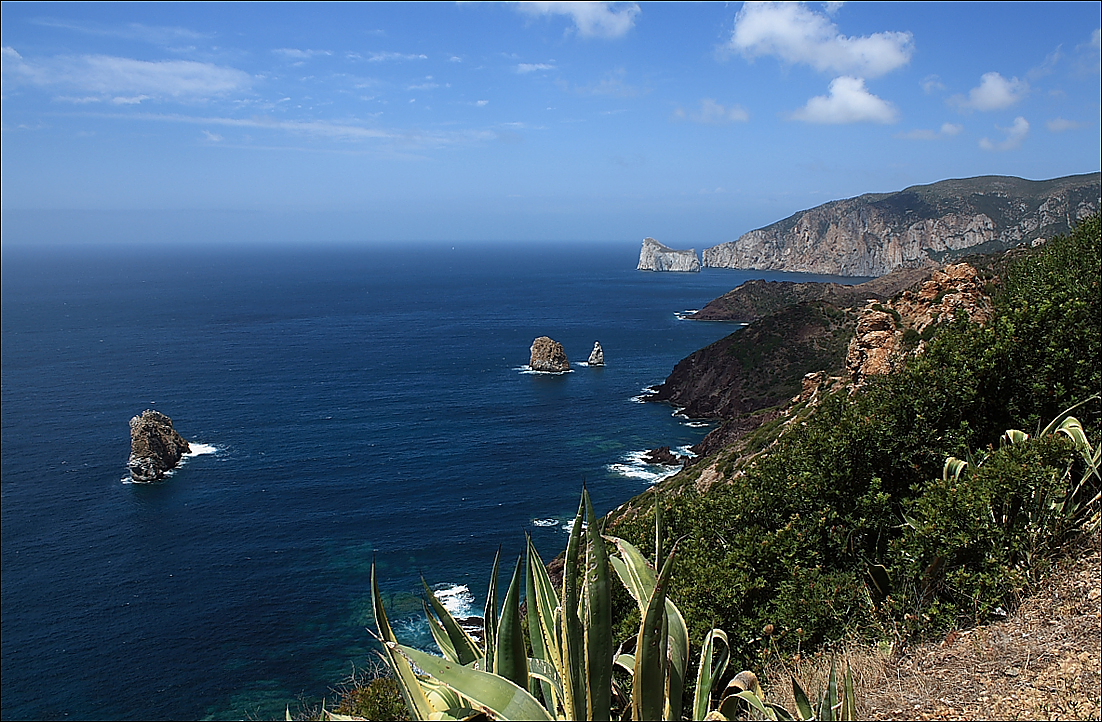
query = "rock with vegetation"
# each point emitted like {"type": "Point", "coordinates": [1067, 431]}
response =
{"type": "Point", "coordinates": [852, 514]}
{"type": "Point", "coordinates": [656, 257]}
{"type": "Point", "coordinates": [548, 355]}
{"type": "Point", "coordinates": [597, 355]}
{"type": "Point", "coordinates": [875, 233]}
{"type": "Point", "coordinates": [155, 446]}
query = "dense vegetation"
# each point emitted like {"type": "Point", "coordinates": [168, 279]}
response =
{"type": "Point", "coordinates": [853, 525]}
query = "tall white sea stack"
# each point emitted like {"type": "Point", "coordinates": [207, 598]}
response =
{"type": "Point", "coordinates": [656, 257]}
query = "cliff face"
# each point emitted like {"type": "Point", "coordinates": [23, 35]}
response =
{"type": "Point", "coordinates": [656, 257]}
{"type": "Point", "coordinates": [922, 225]}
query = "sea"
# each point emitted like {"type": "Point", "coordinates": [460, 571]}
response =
{"type": "Point", "coordinates": [344, 404]}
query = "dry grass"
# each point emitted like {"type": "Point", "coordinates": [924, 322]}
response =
{"type": "Point", "coordinates": [1041, 663]}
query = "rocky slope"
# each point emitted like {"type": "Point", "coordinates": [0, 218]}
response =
{"type": "Point", "coordinates": [155, 446]}
{"type": "Point", "coordinates": [875, 233]}
{"type": "Point", "coordinates": [548, 355]}
{"type": "Point", "coordinates": [656, 257]}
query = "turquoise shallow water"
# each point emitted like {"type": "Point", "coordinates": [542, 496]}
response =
{"type": "Point", "coordinates": [359, 402]}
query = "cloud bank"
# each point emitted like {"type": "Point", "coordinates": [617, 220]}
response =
{"type": "Point", "coordinates": [591, 19]}
{"type": "Point", "coordinates": [847, 101]}
{"type": "Point", "coordinates": [796, 34]}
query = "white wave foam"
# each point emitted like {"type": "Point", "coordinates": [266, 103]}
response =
{"type": "Point", "coordinates": [456, 598]}
{"type": "Point", "coordinates": [685, 315]}
{"type": "Point", "coordinates": [545, 522]}
{"type": "Point", "coordinates": [198, 449]}
{"type": "Point", "coordinates": [634, 466]}
{"type": "Point", "coordinates": [569, 526]}
{"type": "Point", "coordinates": [642, 397]}
{"type": "Point", "coordinates": [526, 369]}
{"type": "Point", "coordinates": [697, 424]}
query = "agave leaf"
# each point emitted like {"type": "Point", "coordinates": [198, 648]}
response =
{"type": "Point", "coordinates": [803, 704]}
{"type": "Point", "coordinates": [953, 468]}
{"type": "Point", "coordinates": [778, 712]}
{"type": "Point", "coordinates": [849, 697]}
{"type": "Point", "coordinates": [494, 695]}
{"type": "Point", "coordinates": [754, 701]}
{"type": "Point", "coordinates": [830, 704]}
{"type": "Point", "coordinates": [440, 634]}
{"type": "Point", "coordinates": [635, 572]}
{"type": "Point", "coordinates": [414, 697]}
{"type": "Point", "coordinates": [511, 658]}
{"type": "Point", "coordinates": [710, 670]}
{"type": "Point", "coordinates": [1055, 423]}
{"type": "Point", "coordinates": [572, 641]}
{"type": "Point", "coordinates": [490, 619]}
{"type": "Point", "coordinates": [547, 674]}
{"type": "Point", "coordinates": [678, 653]}
{"type": "Point", "coordinates": [336, 716]}
{"type": "Point", "coordinates": [598, 618]}
{"type": "Point", "coordinates": [649, 691]}
{"type": "Point", "coordinates": [626, 661]}
{"type": "Point", "coordinates": [465, 648]}
{"type": "Point", "coordinates": [1014, 436]}
{"type": "Point", "coordinates": [541, 620]}
{"type": "Point", "coordinates": [542, 602]}
{"type": "Point", "coordinates": [657, 530]}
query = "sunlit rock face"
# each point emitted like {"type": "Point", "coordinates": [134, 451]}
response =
{"type": "Point", "coordinates": [548, 355]}
{"type": "Point", "coordinates": [155, 446]}
{"type": "Point", "coordinates": [873, 234]}
{"type": "Point", "coordinates": [656, 257]}
{"type": "Point", "coordinates": [597, 355]}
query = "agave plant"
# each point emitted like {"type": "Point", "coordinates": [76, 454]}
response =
{"type": "Point", "coordinates": [570, 673]}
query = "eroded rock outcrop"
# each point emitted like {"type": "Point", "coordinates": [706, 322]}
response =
{"type": "Point", "coordinates": [155, 446]}
{"type": "Point", "coordinates": [873, 234]}
{"type": "Point", "coordinates": [548, 355]}
{"type": "Point", "coordinates": [887, 333]}
{"type": "Point", "coordinates": [656, 257]}
{"type": "Point", "coordinates": [597, 355]}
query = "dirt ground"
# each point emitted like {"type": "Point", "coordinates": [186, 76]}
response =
{"type": "Point", "coordinates": [1041, 663]}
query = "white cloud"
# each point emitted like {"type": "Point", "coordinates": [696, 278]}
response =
{"type": "Point", "coordinates": [126, 77]}
{"type": "Point", "coordinates": [713, 113]}
{"type": "Point", "coordinates": [848, 101]}
{"type": "Point", "coordinates": [591, 19]}
{"type": "Point", "coordinates": [993, 93]}
{"type": "Point", "coordinates": [1015, 135]}
{"type": "Point", "coordinates": [482, 103]}
{"type": "Point", "coordinates": [1059, 125]}
{"type": "Point", "coordinates": [931, 84]}
{"type": "Point", "coordinates": [296, 54]}
{"type": "Point", "coordinates": [796, 34]}
{"type": "Point", "coordinates": [947, 130]}
{"type": "Point", "coordinates": [384, 57]}
{"type": "Point", "coordinates": [533, 67]}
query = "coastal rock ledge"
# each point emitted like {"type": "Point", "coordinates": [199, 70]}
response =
{"type": "Point", "coordinates": [548, 355]}
{"type": "Point", "coordinates": [155, 446]}
{"type": "Point", "coordinates": [656, 257]}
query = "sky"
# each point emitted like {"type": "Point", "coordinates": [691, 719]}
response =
{"type": "Point", "coordinates": [358, 123]}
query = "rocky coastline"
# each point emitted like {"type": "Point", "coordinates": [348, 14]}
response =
{"type": "Point", "coordinates": [654, 256]}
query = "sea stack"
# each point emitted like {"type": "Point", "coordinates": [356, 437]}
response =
{"type": "Point", "coordinates": [597, 355]}
{"type": "Point", "coordinates": [548, 355]}
{"type": "Point", "coordinates": [155, 446]}
{"type": "Point", "coordinates": [656, 257]}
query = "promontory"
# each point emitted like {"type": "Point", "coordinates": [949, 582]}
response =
{"type": "Point", "coordinates": [656, 257]}
{"type": "Point", "coordinates": [920, 226]}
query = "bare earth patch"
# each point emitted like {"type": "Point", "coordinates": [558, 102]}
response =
{"type": "Point", "coordinates": [1041, 663]}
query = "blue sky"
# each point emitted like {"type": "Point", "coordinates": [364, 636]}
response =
{"type": "Point", "coordinates": [693, 123]}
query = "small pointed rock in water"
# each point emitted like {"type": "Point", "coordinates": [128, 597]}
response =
{"type": "Point", "coordinates": [597, 355]}
{"type": "Point", "coordinates": [548, 355]}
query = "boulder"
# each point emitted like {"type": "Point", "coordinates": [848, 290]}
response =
{"type": "Point", "coordinates": [548, 355]}
{"type": "Point", "coordinates": [155, 446]}
{"type": "Point", "coordinates": [597, 355]}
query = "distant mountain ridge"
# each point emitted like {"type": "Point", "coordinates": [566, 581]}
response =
{"type": "Point", "coordinates": [922, 225]}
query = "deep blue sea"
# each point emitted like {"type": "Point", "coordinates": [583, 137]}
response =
{"type": "Point", "coordinates": [355, 402]}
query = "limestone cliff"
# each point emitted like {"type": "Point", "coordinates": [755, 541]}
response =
{"type": "Point", "coordinates": [927, 225]}
{"type": "Point", "coordinates": [155, 446]}
{"type": "Point", "coordinates": [656, 257]}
